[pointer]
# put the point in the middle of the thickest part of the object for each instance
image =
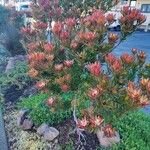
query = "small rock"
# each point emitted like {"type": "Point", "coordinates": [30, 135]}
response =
{"type": "Point", "coordinates": [51, 134]}
{"type": "Point", "coordinates": [27, 124]}
{"type": "Point", "coordinates": [30, 91]}
{"type": "Point", "coordinates": [22, 116]}
{"type": "Point", "coordinates": [107, 141]}
{"type": "Point", "coordinates": [42, 129]}
{"type": "Point", "coordinates": [10, 64]}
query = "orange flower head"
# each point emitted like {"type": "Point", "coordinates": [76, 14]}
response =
{"type": "Point", "coordinates": [89, 36]}
{"type": "Point", "coordinates": [83, 123]}
{"type": "Point", "coordinates": [68, 63]}
{"type": "Point", "coordinates": [64, 35]}
{"type": "Point", "coordinates": [96, 121]}
{"type": "Point", "coordinates": [50, 101]}
{"type": "Point", "coordinates": [117, 66]}
{"type": "Point", "coordinates": [95, 68]}
{"type": "Point", "coordinates": [110, 18]}
{"type": "Point", "coordinates": [142, 56]}
{"type": "Point", "coordinates": [33, 73]}
{"type": "Point", "coordinates": [94, 93]}
{"type": "Point", "coordinates": [112, 37]}
{"type": "Point", "coordinates": [110, 58]}
{"type": "Point", "coordinates": [129, 59]}
{"type": "Point", "coordinates": [57, 27]}
{"type": "Point", "coordinates": [40, 25]}
{"type": "Point", "coordinates": [32, 46]}
{"type": "Point", "coordinates": [50, 58]}
{"type": "Point", "coordinates": [109, 131]}
{"type": "Point", "coordinates": [37, 56]}
{"type": "Point", "coordinates": [48, 47]}
{"type": "Point", "coordinates": [144, 82]}
{"type": "Point", "coordinates": [40, 84]}
{"type": "Point", "coordinates": [65, 88]}
{"type": "Point", "coordinates": [144, 100]}
{"type": "Point", "coordinates": [74, 44]}
{"type": "Point", "coordinates": [148, 86]}
{"type": "Point", "coordinates": [70, 22]}
{"type": "Point", "coordinates": [59, 67]}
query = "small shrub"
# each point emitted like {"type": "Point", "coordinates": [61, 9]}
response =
{"type": "Point", "coordinates": [41, 113]}
{"type": "Point", "coordinates": [16, 76]}
{"type": "Point", "coordinates": [134, 129]}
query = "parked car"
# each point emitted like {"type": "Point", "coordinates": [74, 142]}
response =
{"type": "Point", "coordinates": [23, 6]}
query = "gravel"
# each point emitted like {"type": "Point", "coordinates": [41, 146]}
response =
{"type": "Point", "coordinates": [23, 140]}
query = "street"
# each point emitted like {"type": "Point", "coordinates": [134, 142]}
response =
{"type": "Point", "coordinates": [139, 40]}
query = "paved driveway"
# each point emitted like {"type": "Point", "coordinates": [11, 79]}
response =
{"type": "Point", "coordinates": [140, 40]}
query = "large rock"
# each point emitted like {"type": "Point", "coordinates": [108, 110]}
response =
{"type": "Point", "coordinates": [22, 116]}
{"type": "Point", "coordinates": [42, 129]}
{"type": "Point", "coordinates": [13, 60]}
{"type": "Point", "coordinates": [51, 134]}
{"type": "Point", "coordinates": [29, 91]}
{"type": "Point", "coordinates": [27, 124]}
{"type": "Point", "coordinates": [107, 141]}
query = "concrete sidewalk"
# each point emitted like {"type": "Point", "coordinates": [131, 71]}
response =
{"type": "Point", "coordinates": [3, 139]}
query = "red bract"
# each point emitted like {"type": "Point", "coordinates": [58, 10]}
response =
{"type": "Point", "coordinates": [32, 73]}
{"type": "Point", "coordinates": [133, 92]}
{"type": "Point", "coordinates": [39, 56]}
{"type": "Point", "coordinates": [116, 66]}
{"type": "Point", "coordinates": [127, 58]}
{"type": "Point", "coordinates": [59, 67]}
{"type": "Point", "coordinates": [28, 31]}
{"type": "Point", "coordinates": [110, 18]}
{"type": "Point", "coordinates": [110, 58]}
{"type": "Point", "coordinates": [48, 47]}
{"type": "Point", "coordinates": [40, 84]}
{"type": "Point", "coordinates": [65, 88]}
{"type": "Point", "coordinates": [96, 121]}
{"type": "Point", "coordinates": [126, 10]}
{"type": "Point", "coordinates": [74, 44]}
{"type": "Point", "coordinates": [95, 68]}
{"type": "Point", "coordinates": [109, 131]}
{"type": "Point", "coordinates": [99, 17]}
{"type": "Point", "coordinates": [70, 22]}
{"type": "Point", "coordinates": [144, 82]}
{"type": "Point", "coordinates": [83, 123]}
{"type": "Point", "coordinates": [142, 56]}
{"type": "Point", "coordinates": [64, 35]}
{"type": "Point", "coordinates": [50, 57]}
{"type": "Point", "coordinates": [148, 87]}
{"type": "Point", "coordinates": [32, 46]}
{"type": "Point", "coordinates": [144, 100]}
{"type": "Point", "coordinates": [94, 93]}
{"type": "Point", "coordinates": [57, 28]}
{"type": "Point", "coordinates": [112, 37]}
{"type": "Point", "coordinates": [89, 36]}
{"type": "Point", "coordinates": [50, 101]}
{"type": "Point", "coordinates": [68, 63]}
{"type": "Point", "coordinates": [40, 25]}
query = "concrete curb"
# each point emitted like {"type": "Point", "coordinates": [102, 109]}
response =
{"type": "Point", "coordinates": [3, 139]}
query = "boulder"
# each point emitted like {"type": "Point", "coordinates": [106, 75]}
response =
{"type": "Point", "coordinates": [27, 124]}
{"type": "Point", "coordinates": [29, 91]}
{"type": "Point", "coordinates": [42, 129]}
{"type": "Point", "coordinates": [22, 116]}
{"type": "Point", "coordinates": [13, 60]}
{"type": "Point", "coordinates": [51, 134]}
{"type": "Point", "coordinates": [107, 141]}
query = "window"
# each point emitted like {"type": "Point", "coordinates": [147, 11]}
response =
{"type": "Point", "coordinates": [145, 8]}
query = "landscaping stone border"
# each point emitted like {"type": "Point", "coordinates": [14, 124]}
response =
{"type": "Point", "coordinates": [3, 139]}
